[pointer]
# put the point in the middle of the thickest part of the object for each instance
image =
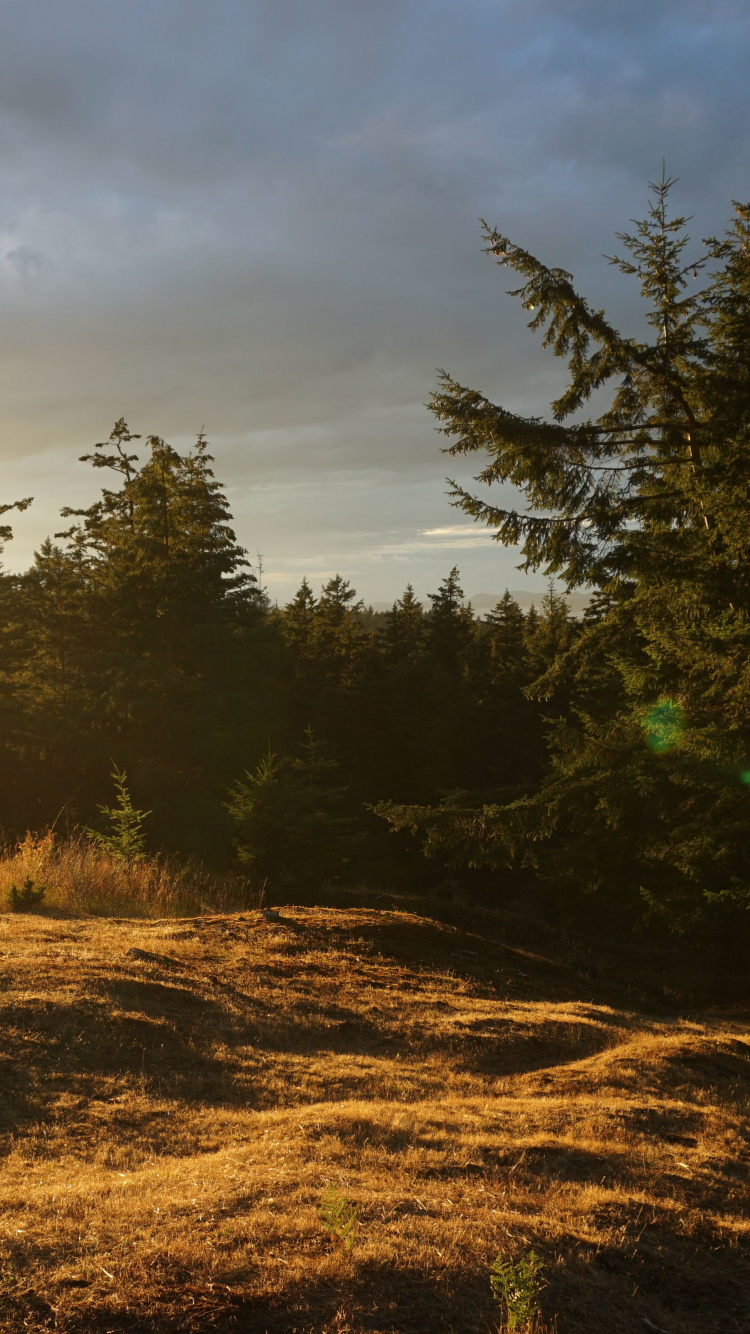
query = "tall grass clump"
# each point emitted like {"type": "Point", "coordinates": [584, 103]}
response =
{"type": "Point", "coordinates": [84, 877]}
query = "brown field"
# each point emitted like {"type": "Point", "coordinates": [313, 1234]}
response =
{"type": "Point", "coordinates": [169, 1122]}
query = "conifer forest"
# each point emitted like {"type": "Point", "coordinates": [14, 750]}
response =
{"type": "Point", "coordinates": [593, 772]}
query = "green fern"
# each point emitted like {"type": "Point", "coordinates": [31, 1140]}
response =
{"type": "Point", "coordinates": [24, 897]}
{"type": "Point", "coordinates": [517, 1288]}
{"type": "Point", "coordinates": [339, 1216]}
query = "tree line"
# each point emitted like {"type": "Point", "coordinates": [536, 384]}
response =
{"type": "Point", "coordinates": [142, 638]}
{"type": "Point", "coordinates": [597, 769]}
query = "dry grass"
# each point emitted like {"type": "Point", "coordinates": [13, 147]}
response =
{"type": "Point", "coordinates": [170, 1120]}
{"type": "Point", "coordinates": [82, 878]}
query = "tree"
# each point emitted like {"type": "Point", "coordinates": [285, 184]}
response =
{"type": "Point", "coordinates": [148, 640]}
{"type": "Point", "coordinates": [452, 627]}
{"type": "Point", "coordinates": [288, 819]}
{"type": "Point", "coordinates": [506, 626]}
{"type": "Point", "coordinates": [14, 648]}
{"type": "Point", "coordinates": [548, 635]}
{"type": "Point", "coordinates": [299, 618]}
{"type": "Point", "coordinates": [125, 839]}
{"type": "Point", "coordinates": [405, 628]}
{"type": "Point", "coordinates": [647, 503]}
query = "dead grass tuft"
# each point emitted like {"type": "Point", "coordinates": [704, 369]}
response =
{"type": "Point", "coordinates": [80, 877]}
{"type": "Point", "coordinates": [176, 1096]}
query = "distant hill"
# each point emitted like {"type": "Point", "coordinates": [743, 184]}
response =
{"type": "Point", "coordinates": [482, 602]}
{"type": "Point", "coordinates": [577, 602]}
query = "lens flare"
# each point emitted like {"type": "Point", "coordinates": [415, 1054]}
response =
{"type": "Point", "coordinates": [663, 726]}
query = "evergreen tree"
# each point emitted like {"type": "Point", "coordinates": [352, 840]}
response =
{"type": "Point", "coordinates": [506, 625]}
{"type": "Point", "coordinates": [549, 634]}
{"type": "Point", "coordinates": [647, 503]}
{"type": "Point", "coordinates": [289, 822]}
{"type": "Point", "coordinates": [405, 627]}
{"type": "Point", "coordinates": [144, 633]}
{"type": "Point", "coordinates": [14, 651]}
{"type": "Point", "coordinates": [452, 628]}
{"type": "Point", "coordinates": [338, 632]}
{"type": "Point", "coordinates": [299, 618]}
{"type": "Point", "coordinates": [125, 838]}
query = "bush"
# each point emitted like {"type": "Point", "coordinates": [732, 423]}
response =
{"type": "Point", "coordinates": [27, 895]}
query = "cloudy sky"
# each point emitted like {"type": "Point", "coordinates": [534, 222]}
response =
{"type": "Point", "coordinates": [261, 217]}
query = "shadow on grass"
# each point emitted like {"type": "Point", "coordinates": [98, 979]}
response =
{"type": "Point", "coordinates": [675, 1281]}
{"type": "Point", "coordinates": [366, 1298]}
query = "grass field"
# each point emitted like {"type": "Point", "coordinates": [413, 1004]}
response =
{"type": "Point", "coordinates": [176, 1095]}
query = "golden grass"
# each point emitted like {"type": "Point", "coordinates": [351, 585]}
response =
{"type": "Point", "coordinates": [82, 878]}
{"type": "Point", "coordinates": [170, 1119]}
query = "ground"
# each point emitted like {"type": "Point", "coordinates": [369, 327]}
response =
{"type": "Point", "coordinates": [176, 1096]}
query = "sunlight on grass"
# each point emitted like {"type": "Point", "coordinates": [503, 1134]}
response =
{"type": "Point", "coordinates": [179, 1096]}
{"type": "Point", "coordinates": [81, 877]}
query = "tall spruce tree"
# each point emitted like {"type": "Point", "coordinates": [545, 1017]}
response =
{"type": "Point", "coordinates": [405, 628]}
{"type": "Point", "coordinates": [646, 804]}
{"type": "Point", "coordinates": [452, 625]}
{"type": "Point", "coordinates": [144, 630]}
{"type": "Point", "coordinates": [506, 626]}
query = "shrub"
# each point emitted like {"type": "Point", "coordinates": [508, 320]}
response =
{"type": "Point", "coordinates": [288, 819]}
{"type": "Point", "coordinates": [27, 895]}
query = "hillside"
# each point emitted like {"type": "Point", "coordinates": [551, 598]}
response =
{"type": "Point", "coordinates": [177, 1094]}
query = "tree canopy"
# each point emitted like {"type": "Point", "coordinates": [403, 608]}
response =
{"type": "Point", "coordinates": [643, 807]}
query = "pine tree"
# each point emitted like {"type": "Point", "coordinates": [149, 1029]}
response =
{"type": "Point", "coordinates": [405, 627]}
{"type": "Point", "coordinates": [289, 820]}
{"type": "Point", "coordinates": [337, 639]}
{"type": "Point", "coordinates": [452, 630]}
{"type": "Point", "coordinates": [548, 636]}
{"type": "Point", "coordinates": [299, 618]}
{"type": "Point", "coordinates": [14, 652]}
{"type": "Point", "coordinates": [144, 629]}
{"type": "Point", "coordinates": [647, 503]}
{"type": "Point", "coordinates": [125, 839]}
{"type": "Point", "coordinates": [506, 625]}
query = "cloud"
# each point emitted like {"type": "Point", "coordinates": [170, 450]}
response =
{"type": "Point", "coordinates": [26, 263]}
{"type": "Point", "coordinates": [263, 218]}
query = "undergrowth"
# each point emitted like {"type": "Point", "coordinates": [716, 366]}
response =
{"type": "Point", "coordinates": [80, 876]}
{"type": "Point", "coordinates": [27, 895]}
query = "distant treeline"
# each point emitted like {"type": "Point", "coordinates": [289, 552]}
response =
{"type": "Point", "coordinates": [141, 638]}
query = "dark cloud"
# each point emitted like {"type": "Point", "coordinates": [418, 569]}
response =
{"type": "Point", "coordinates": [261, 215]}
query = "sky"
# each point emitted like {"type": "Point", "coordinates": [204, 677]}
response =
{"type": "Point", "coordinates": [261, 217]}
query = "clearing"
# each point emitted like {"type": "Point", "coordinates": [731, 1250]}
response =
{"type": "Point", "coordinates": [177, 1094]}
